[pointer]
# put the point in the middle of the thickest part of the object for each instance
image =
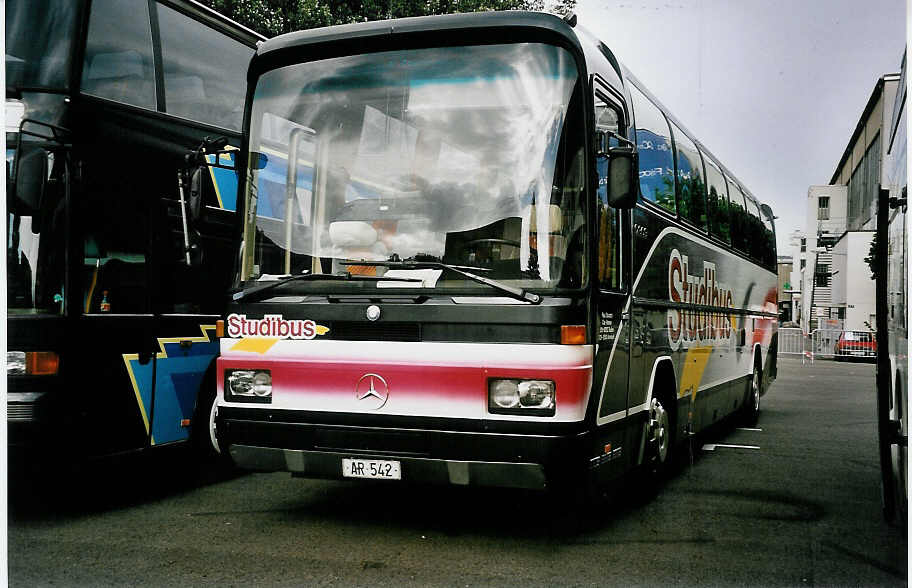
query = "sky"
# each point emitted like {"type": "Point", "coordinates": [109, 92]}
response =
{"type": "Point", "coordinates": [773, 88]}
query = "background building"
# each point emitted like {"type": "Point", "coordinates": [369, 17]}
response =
{"type": "Point", "coordinates": [836, 283]}
{"type": "Point", "coordinates": [825, 222]}
{"type": "Point", "coordinates": [798, 245]}
{"type": "Point", "coordinates": [784, 266]}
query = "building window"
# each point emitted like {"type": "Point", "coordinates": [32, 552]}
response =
{"type": "Point", "coordinates": [803, 263]}
{"type": "Point", "coordinates": [822, 276]}
{"type": "Point", "coordinates": [804, 246]}
{"type": "Point", "coordinates": [823, 208]}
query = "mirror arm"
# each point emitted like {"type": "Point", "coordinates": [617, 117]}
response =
{"type": "Point", "coordinates": [183, 206]}
{"type": "Point", "coordinates": [623, 140]}
{"type": "Point", "coordinates": [604, 151]}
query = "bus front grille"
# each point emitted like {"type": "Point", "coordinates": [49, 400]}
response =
{"type": "Point", "coordinates": [20, 412]}
{"type": "Point", "coordinates": [373, 441]}
{"type": "Point", "coordinates": [379, 331]}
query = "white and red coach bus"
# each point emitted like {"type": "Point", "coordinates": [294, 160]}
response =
{"type": "Point", "coordinates": [892, 295]}
{"type": "Point", "coordinates": [449, 273]}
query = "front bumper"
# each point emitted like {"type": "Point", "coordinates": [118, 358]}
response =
{"type": "Point", "coordinates": [28, 418]}
{"type": "Point", "coordinates": [427, 455]}
{"type": "Point", "coordinates": [326, 464]}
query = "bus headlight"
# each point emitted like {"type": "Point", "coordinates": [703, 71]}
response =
{"type": "Point", "coordinates": [529, 397]}
{"type": "Point", "coordinates": [503, 393]}
{"type": "Point", "coordinates": [32, 363]}
{"type": "Point", "coordinates": [248, 385]}
{"type": "Point", "coordinates": [15, 363]}
{"type": "Point", "coordinates": [536, 393]}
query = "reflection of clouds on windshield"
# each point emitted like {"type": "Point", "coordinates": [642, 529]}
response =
{"type": "Point", "coordinates": [469, 133]}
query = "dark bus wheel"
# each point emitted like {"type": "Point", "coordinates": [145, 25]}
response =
{"type": "Point", "coordinates": [751, 411]}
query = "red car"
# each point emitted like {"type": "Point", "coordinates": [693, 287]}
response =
{"type": "Point", "coordinates": [856, 345]}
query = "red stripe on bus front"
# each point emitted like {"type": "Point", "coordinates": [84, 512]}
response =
{"type": "Point", "coordinates": [429, 386]}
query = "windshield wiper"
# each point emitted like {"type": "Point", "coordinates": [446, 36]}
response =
{"type": "Point", "coordinates": [517, 293]}
{"type": "Point", "coordinates": [255, 291]}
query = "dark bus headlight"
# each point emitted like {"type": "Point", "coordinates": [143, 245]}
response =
{"type": "Point", "coordinates": [32, 363]}
{"type": "Point", "coordinates": [248, 385]}
{"type": "Point", "coordinates": [531, 397]}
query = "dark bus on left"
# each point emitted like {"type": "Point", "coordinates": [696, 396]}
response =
{"type": "Point", "coordinates": [116, 251]}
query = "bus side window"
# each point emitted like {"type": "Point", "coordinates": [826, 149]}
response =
{"type": "Point", "coordinates": [116, 243]}
{"type": "Point", "coordinates": [657, 182]}
{"type": "Point", "coordinates": [118, 59]}
{"type": "Point", "coordinates": [757, 239]}
{"type": "Point", "coordinates": [607, 118]}
{"type": "Point", "coordinates": [691, 180]}
{"type": "Point", "coordinates": [717, 201]}
{"type": "Point", "coordinates": [201, 78]}
{"type": "Point", "coordinates": [739, 225]}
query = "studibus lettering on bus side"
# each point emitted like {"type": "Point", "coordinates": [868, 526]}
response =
{"type": "Point", "coordinates": [687, 327]}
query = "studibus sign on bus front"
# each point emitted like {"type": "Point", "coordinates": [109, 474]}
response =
{"type": "Point", "coordinates": [272, 326]}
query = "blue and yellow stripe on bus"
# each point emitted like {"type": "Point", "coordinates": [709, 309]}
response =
{"type": "Point", "coordinates": [176, 379]}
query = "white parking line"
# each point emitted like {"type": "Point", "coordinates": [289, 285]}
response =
{"type": "Point", "coordinates": [747, 429]}
{"type": "Point", "coordinates": [712, 446]}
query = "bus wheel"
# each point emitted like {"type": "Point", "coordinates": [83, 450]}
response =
{"type": "Point", "coordinates": [752, 404]}
{"type": "Point", "coordinates": [203, 436]}
{"type": "Point", "coordinates": [659, 435]}
{"type": "Point", "coordinates": [213, 436]}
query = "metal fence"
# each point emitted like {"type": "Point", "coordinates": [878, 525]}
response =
{"type": "Point", "coordinates": [828, 344]}
{"type": "Point", "coordinates": [823, 342]}
{"type": "Point", "coordinates": [792, 342]}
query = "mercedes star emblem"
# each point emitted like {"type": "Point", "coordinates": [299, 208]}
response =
{"type": "Point", "coordinates": [373, 312]}
{"type": "Point", "coordinates": [372, 390]}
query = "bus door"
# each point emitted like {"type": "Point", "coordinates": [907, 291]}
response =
{"type": "Point", "coordinates": [117, 342]}
{"type": "Point", "coordinates": [612, 361]}
{"type": "Point", "coordinates": [188, 297]}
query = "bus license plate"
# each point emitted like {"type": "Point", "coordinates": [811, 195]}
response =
{"type": "Point", "coordinates": [375, 469]}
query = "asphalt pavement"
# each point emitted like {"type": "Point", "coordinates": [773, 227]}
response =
{"type": "Point", "coordinates": [792, 502]}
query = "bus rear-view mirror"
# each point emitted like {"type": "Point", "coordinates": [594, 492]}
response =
{"type": "Point", "coordinates": [30, 182]}
{"type": "Point", "coordinates": [195, 200]}
{"type": "Point", "coordinates": [623, 177]}
{"type": "Point", "coordinates": [260, 161]}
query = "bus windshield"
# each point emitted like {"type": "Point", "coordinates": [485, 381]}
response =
{"type": "Point", "coordinates": [39, 39]}
{"type": "Point", "coordinates": [471, 156]}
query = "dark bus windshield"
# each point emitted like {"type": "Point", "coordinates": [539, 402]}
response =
{"type": "Point", "coordinates": [39, 40]}
{"type": "Point", "coordinates": [465, 155]}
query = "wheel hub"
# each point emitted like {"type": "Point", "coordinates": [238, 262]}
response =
{"type": "Point", "coordinates": [658, 425]}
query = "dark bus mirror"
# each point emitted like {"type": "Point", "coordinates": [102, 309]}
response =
{"type": "Point", "coordinates": [31, 181]}
{"type": "Point", "coordinates": [195, 202]}
{"type": "Point", "coordinates": [260, 161]}
{"type": "Point", "coordinates": [623, 177]}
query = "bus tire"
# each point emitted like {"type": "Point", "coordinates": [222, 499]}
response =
{"type": "Point", "coordinates": [203, 437]}
{"type": "Point", "coordinates": [660, 442]}
{"type": "Point", "coordinates": [893, 480]}
{"type": "Point", "coordinates": [750, 413]}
